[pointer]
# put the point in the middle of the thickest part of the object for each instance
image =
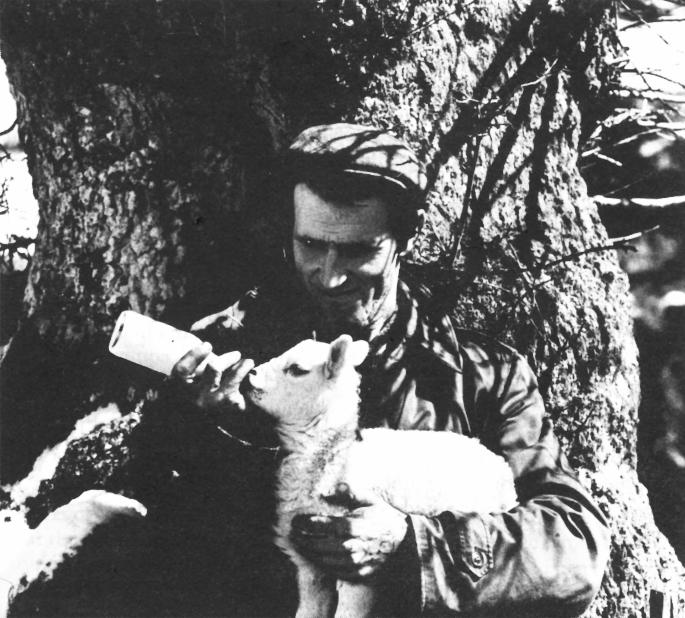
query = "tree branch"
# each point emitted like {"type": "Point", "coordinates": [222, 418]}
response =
{"type": "Point", "coordinates": [676, 201]}
{"type": "Point", "coordinates": [659, 20]}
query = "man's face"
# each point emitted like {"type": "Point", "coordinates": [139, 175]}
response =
{"type": "Point", "coordinates": [346, 256]}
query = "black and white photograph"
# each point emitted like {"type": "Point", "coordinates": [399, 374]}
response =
{"type": "Point", "coordinates": [342, 308]}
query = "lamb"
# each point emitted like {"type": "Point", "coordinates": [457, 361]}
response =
{"type": "Point", "coordinates": [311, 392]}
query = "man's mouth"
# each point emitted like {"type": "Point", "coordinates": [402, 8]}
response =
{"type": "Point", "coordinates": [344, 295]}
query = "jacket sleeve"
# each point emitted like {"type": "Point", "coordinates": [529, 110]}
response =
{"type": "Point", "coordinates": [544, 557]}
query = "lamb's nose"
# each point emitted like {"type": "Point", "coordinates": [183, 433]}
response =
{"type": "Point", "coordinates": [253, 372]}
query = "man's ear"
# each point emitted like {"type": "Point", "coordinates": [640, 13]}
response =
{"type": "Point", "coordinates": [420, 219]}
{"type": "Point", "coordinates": [337, 356]}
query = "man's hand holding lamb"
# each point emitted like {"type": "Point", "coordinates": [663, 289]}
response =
{"type": "Point", "coordinates": [354, 546]}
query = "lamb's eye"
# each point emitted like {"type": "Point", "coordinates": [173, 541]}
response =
{"type": "Point", "coordinates": [296, 370]}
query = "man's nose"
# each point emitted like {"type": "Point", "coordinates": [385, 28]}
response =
{"type": "Point", "coordinates": [332, 271]}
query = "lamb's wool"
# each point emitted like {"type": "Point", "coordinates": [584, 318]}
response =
{"type": "Point", "coordinates": [311, 391]}
{"type": "Point", "coordinates": [428, 472]}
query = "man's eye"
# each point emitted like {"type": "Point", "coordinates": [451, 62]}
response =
{"type": "Point", "coordinates": [296, 370]}
{"type": "Point", "coordinates": [355, 251]}
{"type": "Point", "coordinates": [310, 243]}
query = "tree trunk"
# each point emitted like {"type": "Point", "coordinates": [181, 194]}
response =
{"type": "Point", "coordinates": [150, 128]}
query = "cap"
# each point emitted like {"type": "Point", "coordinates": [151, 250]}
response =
{"type": "Point", "coordinates": [360, 150]}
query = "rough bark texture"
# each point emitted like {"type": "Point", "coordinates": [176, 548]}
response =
{"type": "Point", "coordinates": [149, 127]}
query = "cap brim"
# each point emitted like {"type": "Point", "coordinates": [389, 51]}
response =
{"type": "Point", "coordinates": [405, 185]}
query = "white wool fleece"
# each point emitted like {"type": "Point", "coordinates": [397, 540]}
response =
{"type": "Point", "coordinates": [428, 472]}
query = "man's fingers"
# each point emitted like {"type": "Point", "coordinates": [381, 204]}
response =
{"type": "Point", "coordinates": [334, 554]}
{"type": "Point", "coordinates": [236, 373]}
{"type": "Point", "coordinates": [319, 545]}
{"type": "Point", "coordinates": [322, 526]}
{"type": "Point", "coordinates": [187, 366]}
{"type": "Point", "coordinates": [222, 362]}
{"type": "Point", "coordinates": [377, 522]}
{"type": "Point", "coordinates": [328, 541]}
{"type": "Point", "coordinates": [231, 375]}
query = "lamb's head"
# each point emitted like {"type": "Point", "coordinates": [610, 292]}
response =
{"type": "Point", "coordinates": [309, 380]}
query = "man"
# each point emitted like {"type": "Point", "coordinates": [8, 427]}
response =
{"type": "Point", "coordinates": [356, 202]}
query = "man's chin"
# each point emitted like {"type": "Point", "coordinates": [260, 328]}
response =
{"type": "Point", "coordinates": [350, 316]}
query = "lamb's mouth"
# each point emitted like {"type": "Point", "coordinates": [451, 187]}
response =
{"type": "Point", "coordinates": [249, 390]}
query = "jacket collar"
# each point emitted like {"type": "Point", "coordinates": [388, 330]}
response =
{"type": "Point", "coordinates": [416, 327]}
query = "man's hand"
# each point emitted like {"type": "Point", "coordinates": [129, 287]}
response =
{"type": "Point", "coordinates": [350, 547]}
{"type": "Point", "coordinates": [212, 385]}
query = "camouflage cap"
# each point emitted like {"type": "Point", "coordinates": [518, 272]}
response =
{"type": "Point", "coordinates": [360, 150]}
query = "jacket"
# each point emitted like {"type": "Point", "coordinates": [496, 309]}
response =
{"type": "Point", "coordinates": [545, 557]}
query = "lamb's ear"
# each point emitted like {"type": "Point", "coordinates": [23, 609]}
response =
{"type": "Point", "coordinates": [358, 352]}
{"type": "Point", "coordinates": [337, 355]}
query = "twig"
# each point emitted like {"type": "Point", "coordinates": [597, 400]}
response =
{"type": "Point", "coordinates": [638, 135]}
{"type": "Point", "coordinates": [654, 74]}
{"type": "Point", "coordinates": [651, 94]}
{"type": "Point", "coordinates": [620, 240]}
{"type": "Point", "coordinates": [621, 142]}
{"type": "Point", "coordinates": [675, 201]}
{"type": "Point", "coordinates": [614, 243]}
{"type": "Point", "coordinates": [618, 60]}
{"type": "Point", "coordinates": [642, 20]}
{"type": "Point", "coordinates": [468, 198]}
{"type": "Point", "coordinates": [667, 126]}
{"type": "Point", "coordinates": [10, 128]}
{"type": "Point", "coordinates": [604, 157]}
{"type": "Point", "coordinates": [546, 73]}
{"type": "Point", "coordinates": [628, 185]}
{"type": "Point", "coordinates": [658, 20]}
{"type": "Point", "coordinates": [438, 19]}
{"type": "Point", "coordinates": [530, 285]}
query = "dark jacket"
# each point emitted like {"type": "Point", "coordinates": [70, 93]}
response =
{"type": "Point", "coordinates": [546, 557]}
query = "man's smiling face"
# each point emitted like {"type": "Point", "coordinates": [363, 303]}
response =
{"type": "Point", "coordinates": [347, 257]}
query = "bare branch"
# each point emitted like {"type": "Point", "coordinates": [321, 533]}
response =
{"type": "Point", "coordinates": [618, 60]}
{"type": "Point", "coordinates": [439, 18]}
{"type": "Point", "coordinates": [650, 94]}
{"type": "Point", "coordinates": [607, 158]}
{"type": "Point", "coordinates": [620, 240]}
{"type": "Point", "coordinates": [474, 151]}
{"type": "Point", "coordinates": [659, 20]}
{"type": "Point", "coordinates": [10, 128]}
{"type": "Point", "coordinates": [642, 21]}
{"type": "Point", "coordinates": [656, 74]}
{"type": "Point", "coordinates": [614, 243]}
{"type": "Point", "coordinates": [665, 126]}
{"type": "Point", "coordinates": [667, 210]}
{"type": "Point", "coordinates": [676, 201]}
{"type": "Point", "coordinates": [547, 72]}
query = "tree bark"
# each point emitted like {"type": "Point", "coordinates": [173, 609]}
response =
{"type": "Point", "coordinates": [150, 128]}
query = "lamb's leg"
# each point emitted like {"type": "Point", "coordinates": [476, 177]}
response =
{"type": "Point", "coordinates": [317, 593]}
{"type": "Point", "coordinates": [355, 600]}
